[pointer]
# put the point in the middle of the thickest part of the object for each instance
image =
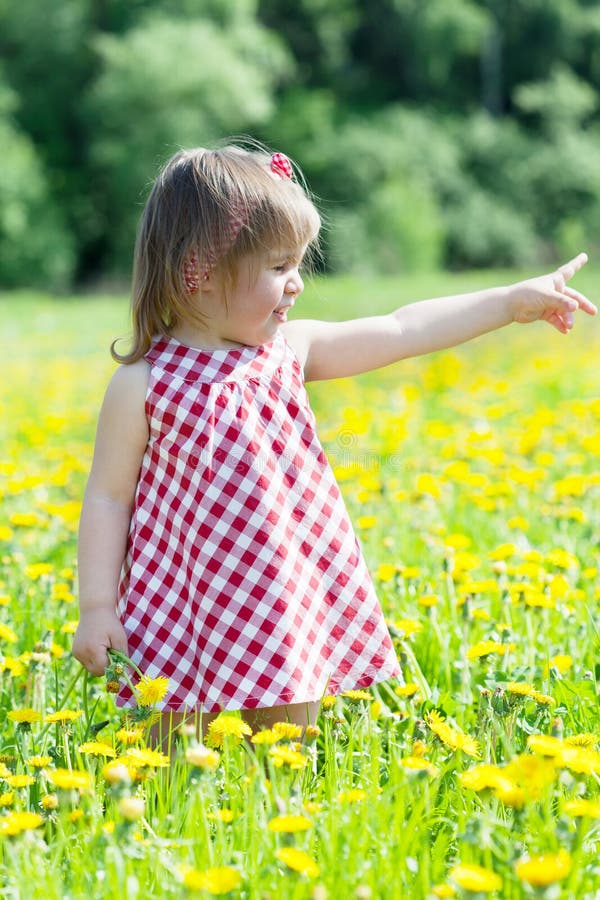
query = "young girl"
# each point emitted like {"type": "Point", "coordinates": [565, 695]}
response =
{"type": "Point", "coordinates": [215, 548]}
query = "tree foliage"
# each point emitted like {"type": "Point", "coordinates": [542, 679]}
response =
{"type": "Point", "coordinates": [460, 133]}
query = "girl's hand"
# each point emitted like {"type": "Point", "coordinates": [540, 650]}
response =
{"type": "Point", "coordinates": [549, 298]}
{"type": "Point", "coordinates": [98, 630]}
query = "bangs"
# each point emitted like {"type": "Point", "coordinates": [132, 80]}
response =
{"type": "Point", "coordinates": [283, 218]}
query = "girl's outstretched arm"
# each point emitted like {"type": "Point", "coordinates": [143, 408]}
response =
{"type": "Point", "coordinates": [338, 349]}
{"type": "Point", "coordinates": [121, 439]}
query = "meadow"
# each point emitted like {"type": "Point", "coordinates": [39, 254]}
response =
{"type": "Point", "coordinates": [472, 478]}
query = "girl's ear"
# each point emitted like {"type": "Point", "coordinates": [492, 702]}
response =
{"type": "Point", "coordinates": [206, 284]}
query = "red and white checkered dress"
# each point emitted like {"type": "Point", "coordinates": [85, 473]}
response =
{"type": "Point", "coordinates": [244, 583]}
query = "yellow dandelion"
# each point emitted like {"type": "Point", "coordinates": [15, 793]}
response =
{"type": "Point", "coordinates": [215, 881]}
{"type": "Point", "coordinates": [532, 773]}
{"type": "Point", "coordinates": [428, 600]}
{"type": "Point", "coordinates": [64, 715]}
{"type": "Point", "coordinates": [97, 748]}
{"type": "Point", "coordinates": [408, 627]}
{"type": "Point", "coordinates": [298, 861]}
{"type": "Point", "coordinates": [358, 695]}
{"type": "Point", "coordinates": [457, 541]}
{"type": "Point", "coordinates": [49, 802]}
{"type": "Point", "coordinates": [13, 665]}
{"type": "Point", "coordinates": [7, 634]}
{"type": "Point", "coordinates": [475, 878]}
{"type": "Point", "coordinates": [366, 522]}
{"type": "Point", "coordinates": [19, 781]}
{"type": "Point", "coordinates": [328, 702]}
{"type": "Point", "coordinates": [418, 764]}
{"type": "Point", "coordinates": [353, 795]}
{"type": "Point", "coordinates": [138, 757]}
{"type": "Point", "coordinates": [545, 869]}
{"type": "Point", "coordinates": [386, 571]}
{"type": "Point", "coordinates": [520, 523]}
{"type": "Point", "coordinates": [582, 740]}
{"type": "Point", "coordinates": [289, 824]}
{"type": "Point", "coordinates": [27, 716]}
{"type": "Point", "coordinates": [7, 798]}
{"type": "Point", "coordinates": [512, 795]}
{"type": "Point", "coordinates": [539, 600]}
{"type": "Point", "coordinates": [222, 815]}
{"type": "Point", "coordinates": [75, 815]}
{"type": "Point", "coordinates": [226, 726]}
{"type": "Point", "coordinates": [202, 757]}
{"type": "Point", "coordinates": [15, 822]}
{"type": "Point", "coordinates": [562, 559]}
{"type": "Point", "coordinates": [502, 552]}
{"type": "Point", "coordinates": [481, 615]}
{"type": "Point", "coordinates": [582, 808]}
{"type": "Point", "coordinates": [520, 688]}
{"type": "Point", "coordinates": [266, 736]}
{"type": "Point", "coordinates": [312, 807]}
{"type": "Point", "coordinates": [66, 779]}
{"type": "Point", "coordinates": [486, 648]}
{"type": "Point", "coordinates": [426, 483]}
{"type": "Point", "coordinates": [580, 760]}
{"type": "Point", "coordinates": [286, 756]}
{"type": "Point", "coordinates": [287, 731]}
{"type": "Point", "coordinates": [483, 777]}
{"type": "Point", "coordinates": [545, 745]}
{"type": "Point", "coordinates": [151, 690]}
{"type": "Point", "coordinates": [543, 699]}
{"type": "Point", "coordinates": [37, 570]}
{"type": "Point", "coordinates": [453, 738]}
{"type": "Point", "coordinates": [130, 735]}
{"type": "Point", "coordinates": [407, 690]}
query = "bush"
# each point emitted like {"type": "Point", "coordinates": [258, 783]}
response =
{"type": "Point", "coordinates": [483, 230]}
{"type": "Point", "coordinates": [35, 247]}
{"type": "Point", "coordinates": [399, 229]}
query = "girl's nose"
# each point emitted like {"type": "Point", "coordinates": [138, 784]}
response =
{"type": "Point", "coordinates": [295, 285]}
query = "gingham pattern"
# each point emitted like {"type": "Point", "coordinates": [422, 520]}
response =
{"type": "Point", "coordinates": [243, 583]}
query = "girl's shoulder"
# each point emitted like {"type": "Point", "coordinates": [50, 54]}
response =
{"type": "Point", "coordinates": [129, 385]}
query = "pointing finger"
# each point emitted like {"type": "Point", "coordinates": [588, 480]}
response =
{"type": "Point", "coordinates": [574, 265]}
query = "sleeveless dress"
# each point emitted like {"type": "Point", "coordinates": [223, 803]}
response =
{"type": "Point", "coordinates": [243, 583]}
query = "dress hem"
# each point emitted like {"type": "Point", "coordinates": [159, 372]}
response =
{"type": "Point", "coordinates": [332, 688]}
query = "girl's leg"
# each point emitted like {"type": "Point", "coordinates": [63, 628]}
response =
{"type": "Point", "coordinates": [297, 713]}
{"type": "Point", "coordinates": [167, 723]}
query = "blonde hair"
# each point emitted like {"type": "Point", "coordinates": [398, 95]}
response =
{"type": "Point", "coordinates": [189, 214]}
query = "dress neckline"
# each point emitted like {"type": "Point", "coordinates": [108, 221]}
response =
{"type": "Point", "coordinates": [222, 352]}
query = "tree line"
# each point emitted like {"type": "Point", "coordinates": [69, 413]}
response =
{"type": "Point", "coordinates": [434, 133]}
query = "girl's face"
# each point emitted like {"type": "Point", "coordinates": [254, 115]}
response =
{"type": "Point", "coordinates": [252, 312]}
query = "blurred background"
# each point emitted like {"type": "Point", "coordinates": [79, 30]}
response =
{"type": "Point", "coordinates": [436, 133]}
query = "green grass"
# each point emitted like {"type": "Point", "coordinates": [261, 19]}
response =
{"type": "Point", "coordinates": [471, 477]}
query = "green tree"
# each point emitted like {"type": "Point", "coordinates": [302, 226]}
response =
{"type": "Point", "coordinates": [35, 246]}
{"type": "Point", "coordinates": [168, 83]}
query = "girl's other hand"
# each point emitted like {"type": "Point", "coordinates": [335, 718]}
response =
{"type": "Point", "coordinates": [98, 630]}
{"type": "Point", "coordinates": [549, 298]}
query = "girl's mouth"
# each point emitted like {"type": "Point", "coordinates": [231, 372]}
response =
{"type": "Point", "coordinates": [281, 312]}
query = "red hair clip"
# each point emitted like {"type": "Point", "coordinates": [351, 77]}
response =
{"type": "Point", "coordinates": [281, 165]}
